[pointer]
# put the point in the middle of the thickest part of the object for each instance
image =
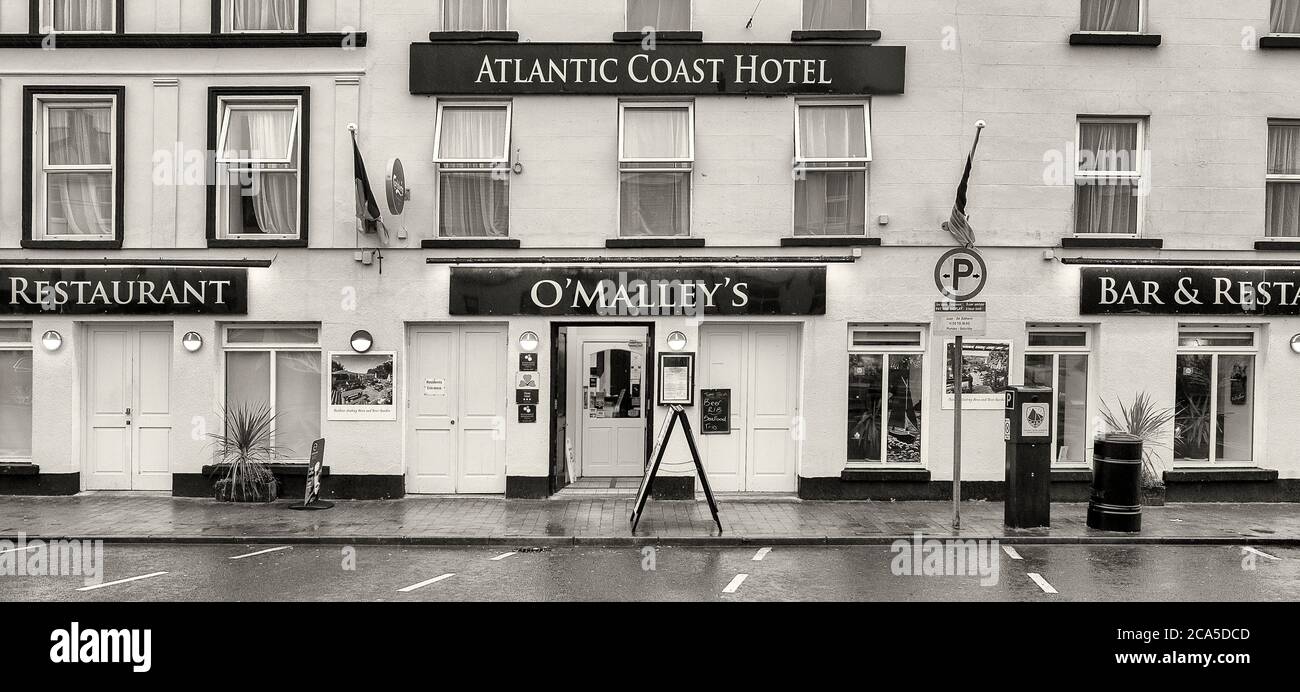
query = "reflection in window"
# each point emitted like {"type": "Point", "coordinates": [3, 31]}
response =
{"type": "Point", "coordinates": [885, 408]}
{"type": "Point", "coordinates": [1215, 412]}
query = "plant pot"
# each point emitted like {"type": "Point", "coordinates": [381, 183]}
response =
{"type": "Point", "coordinates": [1153, 496]}
{"type": "Point", "coordinates": [259, 493]}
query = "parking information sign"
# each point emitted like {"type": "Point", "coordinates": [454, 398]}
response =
{"type": "Point", "coordinates": [960, 319]}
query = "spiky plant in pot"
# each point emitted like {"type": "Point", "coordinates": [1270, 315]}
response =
{"type": "Point", "coordinates": [244, 454]}
{"type": "Point", "coordinates": [1145, 420]}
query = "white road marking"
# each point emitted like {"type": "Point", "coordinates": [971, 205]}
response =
{"type": "Point", "coordinates": [17, 550]}
{"type": "Point", "coordinates": [762, 553]}
{"type": "Point", "coordinates": [425, 583]}
{"type": "Point", "coordinates": [1042, 583]}
{"type": "Point", "coordinates": [121, 581]}
{"type": "Point", "coordinates": [503, 556]}
{"type": "Point", "coordinates": [1261, 553]}
{"type": "Point", "coordinates": [734, 586]}
{"type": "Point", "coordinates": [1011, 552]}
{"type": "Point", "coordinates": [261, 552]}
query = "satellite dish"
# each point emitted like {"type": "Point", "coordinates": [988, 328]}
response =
{"type": "Point", "coordinates": [397, 191]}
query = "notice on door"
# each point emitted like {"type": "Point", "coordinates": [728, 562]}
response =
{"type": "Point", "coordinates": [435, 387]}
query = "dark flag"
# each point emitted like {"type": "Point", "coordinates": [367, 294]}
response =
{"type": "Point", "coordinates": [367, 206]}
{"type": "Point", "coordinates": [959, 224]}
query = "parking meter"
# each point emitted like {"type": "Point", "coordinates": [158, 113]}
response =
{"type": "Point", "coordinates": [1027, 431]}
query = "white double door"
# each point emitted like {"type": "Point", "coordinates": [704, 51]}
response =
{"type": "Point", "coordinates": [759, 363]}
{"type": "Point", "coordinates": [128, 408]}
{"type": "Point", "coordinates": [456, 405]}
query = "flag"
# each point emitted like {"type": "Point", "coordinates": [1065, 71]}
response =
{"type": "Point", "coordinates": [367, 206]}
{"type": "Point", "coordinates": [959, 223]}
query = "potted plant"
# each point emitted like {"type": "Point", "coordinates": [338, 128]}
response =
{"type": "Point", "coordinates": [1145, 420]}
{"type": "Point", "coordinates": [244, 453]}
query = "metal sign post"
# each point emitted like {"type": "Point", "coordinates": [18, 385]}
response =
{"type": "Point", "coordinates": [957, 359]}
{"type": "Point", "coordinates": [960, 275]}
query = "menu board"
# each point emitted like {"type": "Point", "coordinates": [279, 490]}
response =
{"type": "Point", "coordinates": [715, 411]}
{"type": "Point", "coordinates": [677, 379]}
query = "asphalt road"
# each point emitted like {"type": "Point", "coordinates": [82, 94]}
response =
{"type": "Point", "coordinates": [863, 573]}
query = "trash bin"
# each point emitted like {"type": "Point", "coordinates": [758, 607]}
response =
{"type": "Point", "coordinates": [1116, 503]}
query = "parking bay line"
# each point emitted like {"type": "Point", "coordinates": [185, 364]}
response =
{"type": "Point", "coordinates": [121, 581]}
{"type": "Point", "coordinates": [503, 556]}
{"type": "Point", "coordinates": [762, 553]}
{"type": "Point", "coordinates": [18, 550]}
{"type": "Point", "coordinates": [1011, 552]}
{"type": "Point", "coordinates": [425, 583]}
{"type": "Point", "coordinates": [734, 586]}
{"type": "Point", "coordinates": [262, 552]}
{"type": "Point", "coordinates": [1261, 553]}
{"type": "Point", "coordinates": [1042, 583]}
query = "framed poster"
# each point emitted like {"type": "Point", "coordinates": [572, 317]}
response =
{"type": "Point", "coordinates": [677, 379]}
{"type": "Point", "coordinates": [362, 386]}
{"type": "Point", "coordinates": [986, 374]}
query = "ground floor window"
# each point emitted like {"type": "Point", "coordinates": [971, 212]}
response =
{"type": "Point", "coordinates": [885, 395]}
{"type": "Point", "coordinates": [1215, 396]}
{"type": "Point", "coordinates": [279, 367]}
{"type": "Point", "coordinates": [15, 392]}
{"type": "Point", "coordinates": [1058, 358]}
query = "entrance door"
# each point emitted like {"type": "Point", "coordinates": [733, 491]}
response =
{"type": "Point", "coordinates": [759, 363]}
{"type": "Point", "coordinates": [457, 405]}
{"type": "Point", "coordinates": [128, 408]}
{"type": "Point", "coordinates": [612, 414]}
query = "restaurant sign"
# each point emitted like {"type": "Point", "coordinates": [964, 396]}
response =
{"type": "Point", "coordinates": [638, 292]}
{"type": "Point", "coordinates": [123, 291]}
{"type": "Point", "coordinates": [1190, 291]}
{"type": "Point", "coordinates": [669, 69]}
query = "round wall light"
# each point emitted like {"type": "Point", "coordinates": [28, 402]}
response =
{"type": "Point", "coordinates": [192, 341]}
{"type": "Point", "coordinates": [529, 341]}
{"type": "Point", "coordinates": [52, 340]}
{"type": "Point", "coordinates": [677, 341]}
{"type": "Point", "coordinates": [362, 341]}
{"type": "Point", "coordinates": [1295, 343]}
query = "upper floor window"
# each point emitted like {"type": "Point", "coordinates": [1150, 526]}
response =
{"type": "Point", "coordinates": [15, 391]}
{"type": "Point", "coordinates": [1285, 17]}
{"type": "Point", "coordinates": [834, 15]}
{"type": "Point", "coordinates": [474, 15]}
{"type": "Point", "coordinates": [79, 16]}
{"type": "Point", "coordinates": [1284, 179]}
{"type": "Point", "coordinates": [473, 161]}
{"type": "Point", "coordinates": [262, 16]}
{"type": "Point", "coordinates": [260, 190]}
{"type": "Point", "coordinates": [1113, 16]}
{"type": "Point", "coordinates": [656, 157]}
{"type": "Point", "coordinates": [659, 15]}
{"type": "Point", "coordinates": [1108, 176]}
{"type": "Point", "coordinates": [832, 150]}
{"type": "Point", "coordinates": [76, 175]}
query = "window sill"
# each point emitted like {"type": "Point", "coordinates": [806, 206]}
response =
{"type": "Point", "coordinates": [474, 36]}
{"type": "Point", "coordinates": [72, 244]}
{"type": "Point", "coordinates": [1112, 242]}
{"type": "Point", "coordinates": [241, 243]}
{"type": "Point", "coordinates": [1272, 245]}
{"type": "Point", "coordinates": [1287, 42]}
{"type": "Point", "coordinates": [1203, 475]}
{"type": "Point", "coordinates": [847, 35]}
{"type": "Point", "coordinates": [1089, 38]}
{"type": "Point", "coordinates": [188, 40]}
{"type": "Point", "coordinates": [683, 242]}
{"type": "Point", "coordinates": [660, 36]}
{"type": "Point", "coordinates": [885, 475]}
{"type": "Point", "coordinates": [1066, 474]}
{"type": "Point", "coordinates": [470, 243]}
{"type": "Point", "coordinates": [19, 469]}
{"type": "Point", "coordinates": [830, 241]}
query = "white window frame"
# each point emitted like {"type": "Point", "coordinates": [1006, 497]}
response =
{"type": "Point", "coordinates": [226, 21]}
{"type": "Point", "coordinates": [668, 165]}
{"type": "Point", "coordinates": [1270, 24]}
{"type": "Point", "coordinates": [1136, 176]}
{"type": "Point", "coordinates": [845, 165]}
{"type": "Point", "coordinates": [46, 20]}
{"type": "Point", "coordinates": [627, 16]}
{"type": "Point", "coordinates": [18, 347]}
{"type": "Point", "coordinates": [273, 348]}
{"type": "Point", "coordinates": [228, 165]}
{"type": "Point", "coordinates": [43, 168]}
{"type": "Point", "coordinates": [1270, 178]}
{"type": "Point", "coordinates": [803, 12]}
{"type": "Point", "coordinates": [501, 163]}
{"type": "Point", "coordinates": [1056, 352]}
{"type": "Point", "coordinates": [921, 348]}
{"type": "Point", "coordinates": [1217, 351]}
{"type": "Point", "coordinates": [442, 17]}
{"type": "Point", "coordinates": [1141, 28]}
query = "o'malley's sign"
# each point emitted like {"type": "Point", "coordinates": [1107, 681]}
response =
{"type": "Point", "coordinates": [1190, 291]}
{"type": "Point", "coordinates": [669, 69]}
{"type": "Point", "coordinates": [123, 291]}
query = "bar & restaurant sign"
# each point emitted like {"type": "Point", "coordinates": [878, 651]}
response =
{"type": "Point", "coordinates": [1211, 291]}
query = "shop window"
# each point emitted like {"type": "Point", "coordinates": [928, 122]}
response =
{"type": "Point", "coordinates": [832, 150]}
{"type": "Point", "coordinates": [76, 171]}
{"type": "Point", "coordinates": [834, 15]}
{"type": "Point", "coordinates": [260, 190]}
{"type": "Point", "coordinates": [656, 157]}
{"type": "Point", "coordinates": [1058, 358]}
{"type": "Point", "coordinates": [15, 393]}
{"type": "Point", "coordinates": [1108, 176]}
{"type": "Point", "coordinates": [1285, 17]}
{"type": "Point", "coordinates": [262, 16]}
{"type": "Point", "coordinates": [886, 388]}
{"type": "Point", "coordinates": [475, 15]}
{"type": "Point", "coordinates": [279, 367]}
{"type": "Point", "coordinates": [1215, 395]}
{"type": "Point", "coordinates": [1112, 16]}
{"type": "Point", "coordinates": [473, 160]}
{"type": "Point", "coordinates": [1284, 178]}
{"type": "Point", "coordinates": [659, 15]}
{"type": "Point", "coordinates": [79, 16]}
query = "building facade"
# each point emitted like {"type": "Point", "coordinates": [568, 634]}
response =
{"type": "Point", "coordinates": [603, 191]}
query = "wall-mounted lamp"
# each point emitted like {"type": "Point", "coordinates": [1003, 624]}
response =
{"type": "Point", "coordinates": [193, 342]}
{"type": "Point", "coordinates": [1295, 343]}
{"type": "Point", "coordinates": [362, 341]}
{"type": "Point", "coordinates": [529, 341]}
{"type": "Point", "coordinates": [52, 341]}
{"type": "Point", "coordinates": [677, 341]}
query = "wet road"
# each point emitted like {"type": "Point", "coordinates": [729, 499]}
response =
{"type": "Point", "coordinates": [861, 573]}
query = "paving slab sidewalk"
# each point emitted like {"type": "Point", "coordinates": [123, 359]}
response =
{"type": "Point", "coordinates": [604, 521]}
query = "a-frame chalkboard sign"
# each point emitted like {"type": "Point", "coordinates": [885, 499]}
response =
{"type": "Point", "coordinates": [661, 444]}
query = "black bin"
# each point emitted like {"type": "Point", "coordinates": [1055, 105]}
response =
{"type": "Point", "coordinates": [1116, 503]}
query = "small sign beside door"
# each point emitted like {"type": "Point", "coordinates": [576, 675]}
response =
{"type": "Point", "coordinates": [528, 413]}
{"type": "Point", "coordinates": [527, 397]}
{"type": "Point", "coordinates": [435, 387]}
{"type": "Point", "coordinates": [528, 362]}
{"type": "Point", "coordinates": [715, 411]}
{"type": "Point", "coordinates": [527, 380]}
{"type": "Point", "coordinates": [677, 379]}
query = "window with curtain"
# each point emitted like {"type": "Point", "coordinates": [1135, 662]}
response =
{"type": "Point", "coordinates": [1108, 176]}
{"type": "Point", "coordinates": [834, 15]}
{"type": "Point", "coordinates": [1285, 17]}
{"type": "Point", "coordinates": [259, 16]}
{"type": "Point", "coordinates": [15, 392]}
{"type": "Point", "coordinates": [79, 16]}
{"type": "Point", "coordinates": [279, 367]}
{"type": "Point", "coordinates": [656, 157]}
{"type": "Point", "coordinates": [473, 160]}
{"type": "Point", "coordinates": [76, 164]}
{"type": "Point", "coordinates": [1214, 395]}
{"type": "Point", "coordinates": [474, 15]}
{"type": "Point", "coordinates": [886, 393]}
{"type": "Point", "coordinates": [1058, 358]}
{"type": "Point", "coordinates": [832, 150]}
{"type": "Point", "coordinates": [259, 182]}
{"type": "Point", "coordinates": [659, 15]}
{"type": "Point", "coordinates": [1283, 217]}
{"type": "Point", "coordinates": [1112, 16]}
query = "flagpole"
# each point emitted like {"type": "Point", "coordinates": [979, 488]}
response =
{"type": "Point", "coordinates": [357, 229]}
{"type": "Point", "coordinates": [958, 350]}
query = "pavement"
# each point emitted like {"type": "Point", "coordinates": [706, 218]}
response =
{"type": "Point", "coordinates": [596, 521]}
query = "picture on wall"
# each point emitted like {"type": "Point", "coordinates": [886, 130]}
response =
{"type": "Point", "coordinates": [986, 369]}
{"type": "Point", "coordinates": [362, 386]}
